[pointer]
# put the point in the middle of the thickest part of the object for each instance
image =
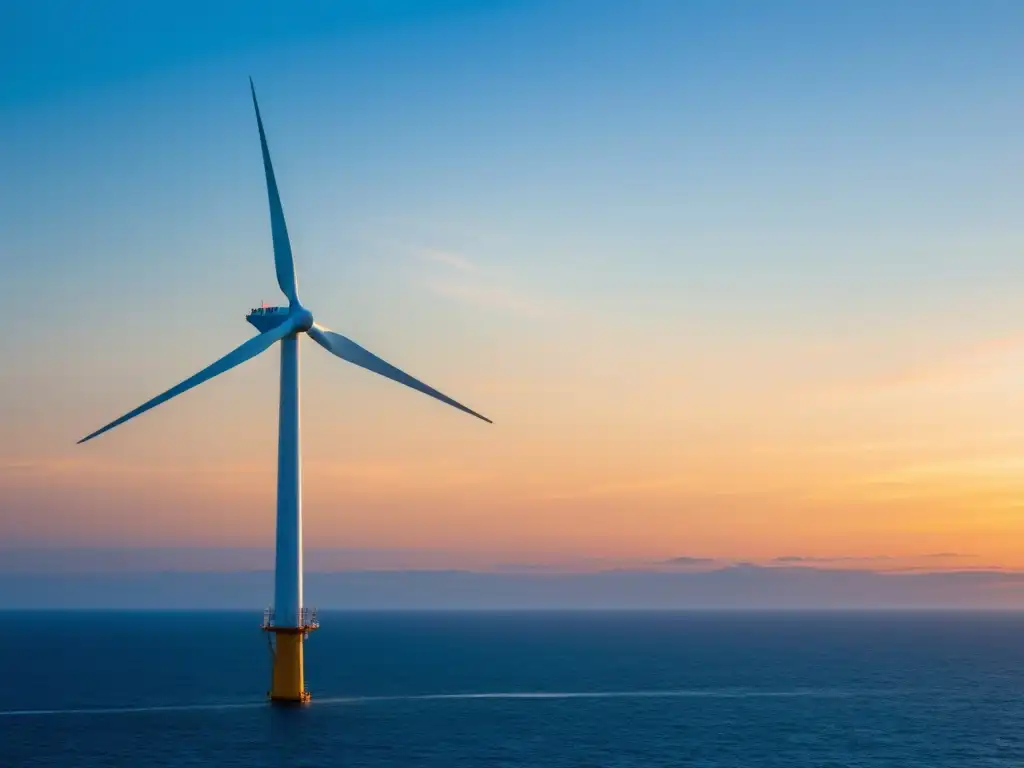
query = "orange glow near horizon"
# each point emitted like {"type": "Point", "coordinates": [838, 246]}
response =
{"type": "Point", "coordinates": [829, 480]}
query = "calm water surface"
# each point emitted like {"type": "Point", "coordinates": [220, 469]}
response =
{"type": "Point", "coordinates": [519, 689]}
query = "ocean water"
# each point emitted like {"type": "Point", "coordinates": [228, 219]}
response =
{"type": "Point", "coordinates": [518, 689]}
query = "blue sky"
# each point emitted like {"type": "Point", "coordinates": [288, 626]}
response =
{"type": "Point", "coordinates": [610, 146]}
{"type": "Point", "coordinates": [651, 240]}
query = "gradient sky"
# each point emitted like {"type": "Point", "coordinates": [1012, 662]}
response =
{"type": "Point", "coordinates": [734, 279]}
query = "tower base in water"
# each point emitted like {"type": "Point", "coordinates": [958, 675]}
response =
{"type": "Point", "coordinates": [287, 681]}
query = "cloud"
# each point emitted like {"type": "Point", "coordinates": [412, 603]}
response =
{"type": "Point", "coordinates": [679, 483]}
{"type": "Point", "coordinates": [927, 569]}
{"type": "Point", "coordinates": [18, 466]}
{"type": "Point", "coordinates": [454, 276]}
{"type": "Point", "coordinates": [33, 467]}
{"type": "Point", "coordinates": [979, 475]}
{"type": "Point", "coordinates": [971, 363]}
{"type": "Point", "coordinates": [838, 559]}
{"type": "Point", "coordinates": [487, 296]}
{"type": "Point", "coordinates": [685, 560]}
{"type": "Point", "coordinates": [447, 259]}
{"type": "Point", "coordinates": [946, 555]}
{"type": "Point", "coordinates": [894, 559]}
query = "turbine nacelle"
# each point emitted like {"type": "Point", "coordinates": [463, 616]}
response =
{"type": "Point", "coordinates": [267, 318]}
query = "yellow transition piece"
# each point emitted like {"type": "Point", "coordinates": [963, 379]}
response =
{"type": "Point", "coordinates": [288, 683]}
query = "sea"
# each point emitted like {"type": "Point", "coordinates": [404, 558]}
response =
{"type": "Point", "coordinates": [518, 689]}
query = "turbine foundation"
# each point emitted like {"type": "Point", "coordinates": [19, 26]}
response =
{"type": "Point", "coordinates": [287, 682]}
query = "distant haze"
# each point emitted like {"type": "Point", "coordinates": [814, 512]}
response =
{"type": "Point", "coordinates": [157, 579]}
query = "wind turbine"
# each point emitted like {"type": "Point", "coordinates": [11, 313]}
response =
{"type": "Point", "coordinates": [289, 621]}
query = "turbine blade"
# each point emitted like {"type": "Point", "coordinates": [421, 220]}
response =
{"type": "Point", "coordinates": [283, 261]}
{"type": "Point", "coordinates": [248, 350]}
{"type": "Point", "coordinates": [348, 350]}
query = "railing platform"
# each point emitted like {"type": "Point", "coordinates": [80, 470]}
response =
{"type": "Point", "coordinates": [308, 622]}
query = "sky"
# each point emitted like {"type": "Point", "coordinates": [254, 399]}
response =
{"type": "Point", "coordinates": [736, 281]}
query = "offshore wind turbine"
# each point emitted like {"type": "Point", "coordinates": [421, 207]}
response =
{"type": "Point", "coordinates": [289, 620]}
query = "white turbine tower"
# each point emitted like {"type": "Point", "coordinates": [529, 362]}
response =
{"type": "Point", "coordinates": [289, 621]}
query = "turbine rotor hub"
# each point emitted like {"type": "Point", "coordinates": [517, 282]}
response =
{"type": "Point", "coordinates": [303, 318]}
